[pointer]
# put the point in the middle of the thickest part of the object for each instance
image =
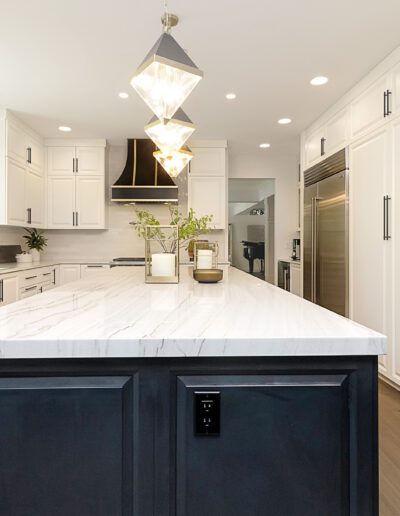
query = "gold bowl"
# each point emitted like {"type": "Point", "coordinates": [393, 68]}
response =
{"type": "Point", "coordinates": [208, 275]}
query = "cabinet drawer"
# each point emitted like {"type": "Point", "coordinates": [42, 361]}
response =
{"type": "Point", "coordinates": [37, 276]}
{"type": "Point", "coordinates": [28, 291]}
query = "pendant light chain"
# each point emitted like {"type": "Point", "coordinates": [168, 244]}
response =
{"type": "Point", "coordinates": [167, 27]}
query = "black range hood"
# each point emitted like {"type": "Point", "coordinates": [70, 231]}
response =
{"type": "Point", "coordinates": [143, 178]}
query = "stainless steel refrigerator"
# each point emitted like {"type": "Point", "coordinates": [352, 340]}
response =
{"type": "Point", "coordinates": [326, 234]}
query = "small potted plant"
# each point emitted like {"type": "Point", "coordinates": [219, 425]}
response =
{"type": "Point", "coordinates": [36, 242]}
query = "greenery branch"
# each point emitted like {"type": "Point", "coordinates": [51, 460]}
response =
{"type": "Point", "coordinates": [189, 227]}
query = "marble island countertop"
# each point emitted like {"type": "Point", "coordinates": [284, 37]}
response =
{"type": "Point", "coordinates": [115, 314]}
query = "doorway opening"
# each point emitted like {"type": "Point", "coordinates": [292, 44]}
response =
{"type": "Point", "coordinates": [252, 226]}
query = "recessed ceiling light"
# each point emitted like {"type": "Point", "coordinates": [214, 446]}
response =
{"type": "Point", "coordinates": [319, 80]}
{"type": "Point", "coordinates": [230, 96]}
{"type": "Point", "coordinates": [284, 121]}
{"type": "Point", "coordinates": [265, 145]}
{"type": "Point", "coordinates": [64, 128]}
{"type": "Point", "coordinates": [123, 95]}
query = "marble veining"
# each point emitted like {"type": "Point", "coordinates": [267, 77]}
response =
{"type": "Point", "coordinates": [115, 314]}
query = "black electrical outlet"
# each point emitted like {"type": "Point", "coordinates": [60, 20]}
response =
{"type": "Point", "coordinates": [207, 413]}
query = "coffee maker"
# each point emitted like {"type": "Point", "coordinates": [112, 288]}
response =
{"type": "Point", "coordinates": [296, 249]}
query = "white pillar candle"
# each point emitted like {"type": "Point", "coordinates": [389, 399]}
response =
{"type": "Point", "coordinates": [204, 259]}
{"type": "Point", "coordinates": [163, 264]}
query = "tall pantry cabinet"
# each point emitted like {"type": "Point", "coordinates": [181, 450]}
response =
{"type": "Point", "coordinates": [368, 123]}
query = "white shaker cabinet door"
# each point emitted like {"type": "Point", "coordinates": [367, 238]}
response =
{"type": "Point", "coordinates": [207, 196]}
{"type": "Point", "coordinates": [90, 161]}
{"type": "Point", "coordinates": [16, 143]}
{"type": "Point", "coordinates": [35, 198]}
{"type": "Point", "coordinates": [313, 146]}
{"type": "Point", "coordinates": [36, 155]}
{"type": "Point", "coordinates": [367, 110]}
{"type": "Point", "coordinates": [90, 202]}
{"type": "Point", "coordinates": [16, 209]}
{"type": "Point", "coordinates": [8, 289]}
{"type": "Point", "coordinates": [337, 131]}
{"type": "Point", "coordinates": [61, 202]}
{"type": "Point", "coordinates": [208, 162]}
{"type": "Point", "coordinates": [69, 272]}
{"type": "Point", "coordinates": [396, 235]}
{"type": "Point", "coordinates": [370, 252]}
{"type": "Point", "coordinates": [60, 161]}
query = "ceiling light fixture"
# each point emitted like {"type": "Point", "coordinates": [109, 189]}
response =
{"type": "Point", "coordinates": [284, 121]}
{"type": "Point", "coordinates": [167, 75]}
{"type": "Point", "coordinates": [319, 80]}
{"type": "Point", "coordinates": [265, 145]}
{"type": "Point", "coordinates": [64, 129]}
{"type": "Point", "coordinates": [123, 95]}
{"type": "Point", "coordinates": [170, 134]}
{"type": "Point", "coordinates": [174, 161]}
{"type": "Point", "coordinates": [230, 96]}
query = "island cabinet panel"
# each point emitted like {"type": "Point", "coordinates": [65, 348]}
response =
{"type": "Point", "coordinates": [66, 446]}
{"type": "Point", "coordinates": [116, 437]}
{"type": "Point", "coordinates": [283, 447]}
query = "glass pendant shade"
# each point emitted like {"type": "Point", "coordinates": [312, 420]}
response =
{"type": "Point", "coordinates": [174, 161]}
{"type": "Point", "coordinates": [170, 134]}
{"type": "Point", "coordinates": [166, 77]}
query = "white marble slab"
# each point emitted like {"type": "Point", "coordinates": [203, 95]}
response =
{"type": "Point", "coordinates": [115, 314]}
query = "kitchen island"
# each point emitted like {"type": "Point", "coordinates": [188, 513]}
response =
{"type": "Point", "coordinates": [235, 399]}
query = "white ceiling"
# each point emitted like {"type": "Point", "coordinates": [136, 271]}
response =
{"type": "Point", "coordinates": [64, 62]}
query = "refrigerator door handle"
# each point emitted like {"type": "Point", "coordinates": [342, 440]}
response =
{"type": "Point", "coordinates": [314, 247]}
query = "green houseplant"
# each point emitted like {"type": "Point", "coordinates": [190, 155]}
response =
{"type": "Point", "coordinates": [36, 242]}
{"type": "Point", "coordinates": [189, 226]}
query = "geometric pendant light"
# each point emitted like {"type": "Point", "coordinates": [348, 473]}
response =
{"type": "Point", "coordinates": [167, 75]}
{"type": "Point", "coordinates": [170, 134]}
{"type": "Point", "coordinates": [174, 161]}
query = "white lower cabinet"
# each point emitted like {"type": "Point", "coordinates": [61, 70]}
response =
{"type": "Point", "coordinates": [69, 272]}
{"type": "Point", "coordinates": [8, 289]}
{"type": "Point", "coordinates": [93, 268]}
{"type": "Point", "coordinates": [295, 278]}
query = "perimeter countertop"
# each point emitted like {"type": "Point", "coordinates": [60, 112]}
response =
{"type": "Point", "coordinates": [115, 314]}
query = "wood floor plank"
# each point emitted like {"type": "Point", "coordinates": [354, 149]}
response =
{"type": "Point", "coordinates": [389, 448]}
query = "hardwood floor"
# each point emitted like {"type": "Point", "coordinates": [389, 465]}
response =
{"type": "Point", "coordinates": [389, 447]}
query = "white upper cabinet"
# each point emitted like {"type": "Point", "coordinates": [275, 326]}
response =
{"type": "Point", "coordinates": [314, 146]}
{"type": "Point", "coordinates": [208, 162]}
{"type": "Point", "coordinates": [206, 196]}
{"type": "Point", "coordinates": [16, 214]}
{"type": "Point", "coordinates": [89, 161]}
{"type": "Point", "coordinates": [64, 160]}
{"type": "Point", "coordinates": [61, 202]}
{"type": "Point", "coordinates": [328, 138]}
{"type": "Point", "coordinates": [60, 161]}
{"type": "Point", "coordinates": [16, 146]}
{"type": "Point", "coordinates": [34, 199]}
{"type": "Point", "coordinates": [76, 185]}
{"type": "Point", "coordinates": [394, 102]}
{"type": "Point", "coordinates": [207, 183]}
{"type": "Point", "coordinates": [370, 109]}
{"type": "Point", "coordinates": [337, 132]}
{"type": "Point", "coordinates": [22, 201]}
{"type": "Point", "coordinates": [89, 205]}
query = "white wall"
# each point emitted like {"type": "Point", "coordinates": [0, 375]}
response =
{"type": "Point", "coordinates": [252, 162]}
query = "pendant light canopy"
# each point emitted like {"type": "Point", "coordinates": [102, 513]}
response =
{"type": "Point", "coordinates": [167, 75]}
{"type": "Point", "coordinates": [170, 134]}
{"type": "Point", "coordinates": [174, 161]}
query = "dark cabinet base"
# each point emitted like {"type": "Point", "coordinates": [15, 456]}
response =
{"type": "Point", "coordinates": [291, 437]}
